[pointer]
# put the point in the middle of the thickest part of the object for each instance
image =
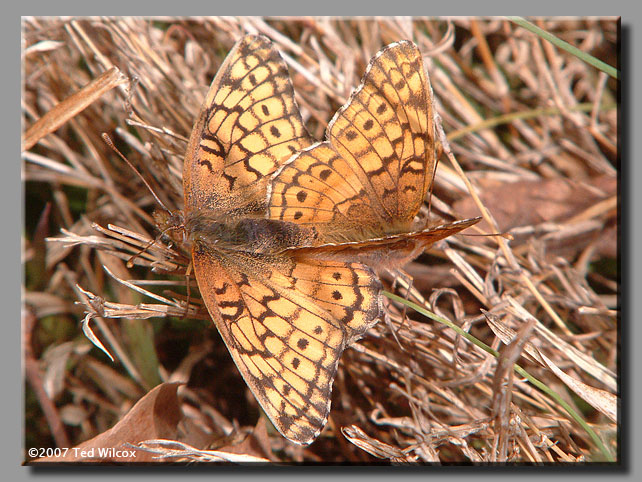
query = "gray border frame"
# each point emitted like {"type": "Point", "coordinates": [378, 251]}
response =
{"type": "Point", "coordinates": [630, 195]}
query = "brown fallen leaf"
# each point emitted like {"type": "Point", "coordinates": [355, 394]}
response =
{"type": "Point", "coordinates": [155, 416]}
{"type": "Point", "coordinates": [532, 202]}
{"type": "Point", "coordinates": [529, 203]}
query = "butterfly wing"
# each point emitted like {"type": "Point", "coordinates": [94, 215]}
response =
{"type": "Point", "coordinates": [286, 325]}
{"type": "Point", "coordinates": [371, 176]}
{"type": "Point", "coordinates": [386, 132]}
{"type": "Point", "coordinates": [248, 125]}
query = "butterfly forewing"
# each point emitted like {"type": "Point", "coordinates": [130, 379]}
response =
{"type": "Point", "coordinates": [385, 132]}
{"type": "Point", "coordinates": [248, 126]}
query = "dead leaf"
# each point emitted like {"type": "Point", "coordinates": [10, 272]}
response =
{"type": "Point", "coordinates": [155, 416]}
{"type": "Point", "coordinates": [532, 202]}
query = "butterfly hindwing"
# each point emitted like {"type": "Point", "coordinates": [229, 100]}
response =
{"type": "Point", "coordinates": [286, 323]}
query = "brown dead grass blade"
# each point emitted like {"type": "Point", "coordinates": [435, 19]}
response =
{"type": "Point", "coordinates": [71, 106]}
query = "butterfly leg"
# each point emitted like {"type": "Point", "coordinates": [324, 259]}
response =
{"type": "Point", "coordinates": [130, 261]}
{"type": "Point", "coordinates": [188, 272]}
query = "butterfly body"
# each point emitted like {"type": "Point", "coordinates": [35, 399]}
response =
{"type": "Point", "coordinates": [252, 234]}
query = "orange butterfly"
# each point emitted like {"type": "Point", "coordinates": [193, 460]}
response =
{"type": "Point", "coordinates": [288, 292]}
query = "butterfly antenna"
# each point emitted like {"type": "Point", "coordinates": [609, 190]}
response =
{"type": "Point", "coordinates": [504, 235]}
{"type": "Point", "coordinates": [432, 182]}
{"type": "Point", "coordinates": [110, 143]}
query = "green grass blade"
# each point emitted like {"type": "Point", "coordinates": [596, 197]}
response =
{"type": "Point", "coordinates": [524, 115]}
{"type": "Point", "coordinates": [589, 59]}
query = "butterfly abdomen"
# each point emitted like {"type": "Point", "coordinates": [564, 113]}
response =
{"type": "Point", "coordinates": [384, 252]}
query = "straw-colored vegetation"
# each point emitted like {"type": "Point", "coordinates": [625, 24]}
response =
{"type": "Point", "coordinates": [533, 131]}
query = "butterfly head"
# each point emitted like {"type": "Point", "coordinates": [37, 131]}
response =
{"type": "Point", "coordinates": [172, 224]}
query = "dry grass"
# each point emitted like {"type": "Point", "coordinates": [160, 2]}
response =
{"type": "Point", "coordinates": [533, 128]}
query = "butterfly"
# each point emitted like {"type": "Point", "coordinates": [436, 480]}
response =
{"type": "Point", "coordinates": [284, 304]}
